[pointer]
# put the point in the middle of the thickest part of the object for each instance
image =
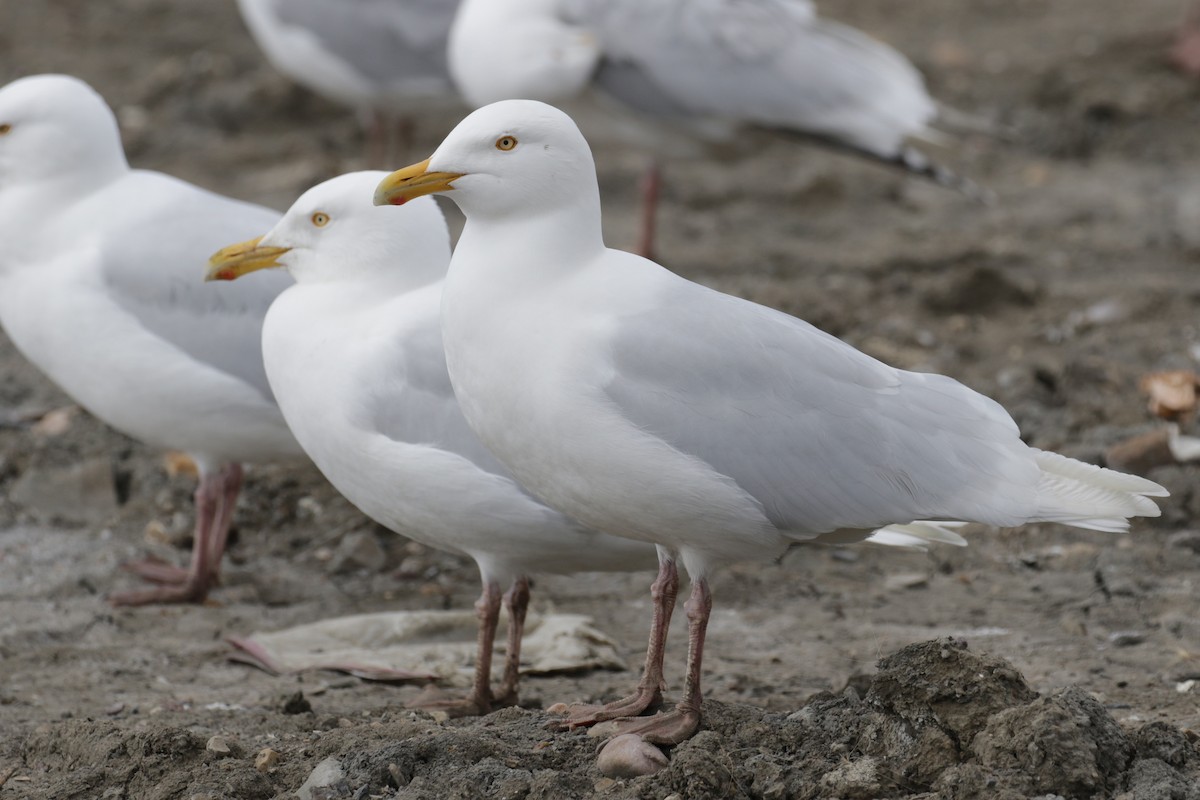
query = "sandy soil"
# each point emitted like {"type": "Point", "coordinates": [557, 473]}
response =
{"type": "Point", "coordinates": [1054, 300]}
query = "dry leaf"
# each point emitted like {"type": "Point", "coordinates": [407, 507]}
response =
{"type": "Point", "coordinates": [1172, 394]}
{"type": "Point", "coordinates": [178, 463]}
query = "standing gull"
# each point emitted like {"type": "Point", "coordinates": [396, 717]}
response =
{"type": "Point", "coordinates": [100, 288]}
{"type": "Point", "coordinates": [708, 68]}
{"type": "Point", "coordinates": [354, 354]}
{"type": "Point", "coordinates": [648, 406]}
{"type": "Point", "coordinates": [375, 56]}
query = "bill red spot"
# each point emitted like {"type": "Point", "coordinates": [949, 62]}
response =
{"type": "Point", "coordinates": [398, 201]}
{"type": "Point", "coordinates": [226, 275]}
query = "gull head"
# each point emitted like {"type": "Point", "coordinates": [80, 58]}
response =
{"type": "Point", "coordinates": [512, 159]}
{"type": "Point", "coordinates": [334, 233]}
{"type": "Point", "coordinates": [56, 126]}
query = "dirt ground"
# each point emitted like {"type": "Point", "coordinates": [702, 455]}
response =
{"type": "Point", "coordinates": [1053, 300]}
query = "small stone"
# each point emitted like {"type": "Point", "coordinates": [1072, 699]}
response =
{"type": "Point", "coordinates": [630, 756]}
{"type": "Point", "coordinates": [326, 774]}
{"type": "Point", "coordinates": [266, 760]}
{"type": "Point", "coordinates": [115, 708]}
{"type": "Point", "coordinates": [906, 580]}
{"type": "Point", "coordinates": [438, 715]}
{"type": "Point", "coordinates": [219, 745]}
{"type": "Point", "coordinates": [1126, 638]}
{"type": "Point", "coordinates": [1183, 687]}
{"type": "Point", "coordinates": [604, 784]}
{"type": "Point", "coordinates": [296, 703]}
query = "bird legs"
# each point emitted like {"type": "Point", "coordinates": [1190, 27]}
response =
{"type": "Point", "coordinates": [216, 495]}
{"type": "Point", "coordinates": [650, 688]}
{"type": "Point", "coordinates": [481, 700]}
{"type": "Point", "coordinates": [651, 186]}
{"type": "Point", "coordinates": [680, 723]}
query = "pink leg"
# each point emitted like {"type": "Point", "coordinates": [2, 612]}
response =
{"type": "Point", "coordinates": [215, 496]}
{"type": "Point", "coordinates": [651, 185]}
{"type": "Point", "coordinates": [377, 139]}
{"type": "Point", "coordinates": [1185, 52]}
{"type": "Point", "coordinates": [516, 600]}
{"type": "Point", "coordinates": [231, 477]}
{"type": "Point", "coordinates": [681, 723]}
{"type": "Point", "coordinates": [487, 609]}
{"type": "Point", "coordinates": [650, 688]}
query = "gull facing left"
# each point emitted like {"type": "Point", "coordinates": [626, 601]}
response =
{"type": "Point", "coordinates": [648, 406]}
{"type": "Point", "coordinates": [354, 354]}
{"type": "Point", "coordinates": [100, 287]}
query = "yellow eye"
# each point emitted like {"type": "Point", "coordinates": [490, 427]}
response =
{"type": "Point", "coordinates": [320, 219]}
{"type": "Point", "coordinates": [506, 143]}
{"type": "Point", "coordinates": [5, 128]}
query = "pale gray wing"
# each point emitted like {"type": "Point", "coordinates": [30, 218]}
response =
{"type": "Point", "coordinates": [770, 63]}
{"type": "Point", "coordinates": [407, 396]}
{"type": "Point", "coordinates": [154, 257]}
{"type": "Point", "coordinates": [822, 435]}
{"type": "Point", "coordinates": [383, 40]}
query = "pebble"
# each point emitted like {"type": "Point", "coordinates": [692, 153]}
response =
{"type": "Point", "coordinates": [327, 773]}
{"type": "Point", "coordinates": [266, 759]}
{"type": "Point", "coordinates": [219, 745]}
{"type": "Point", "coordinates": [1126, 638]}
{"type": "Point", "coordinates": [630, 756]}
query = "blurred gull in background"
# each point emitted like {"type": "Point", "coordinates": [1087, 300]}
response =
{"type": "Point", "coordinates": [376, 56]}
{"type": "Point", "coordinates": [101, 288]}
{"type": "Point", "coordinates": [704, 67]}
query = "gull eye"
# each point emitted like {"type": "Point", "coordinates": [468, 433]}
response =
{"type": "Point", "coordinates": [320, 219]}
{"type": "Point", "coordinates": [506, 143]}
{"type": "Point", "coordinates": [5, 128]}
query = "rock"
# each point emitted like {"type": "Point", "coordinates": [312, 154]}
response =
{"type": "Point", "coordinates": [1065, 743]}
{"type": "Point", "coordinates": [979, 289]}
{"type": "Point", "coordinates": [943, 684]}
{"type": "Point", "coordinates": [223, 746]}
{"type": "Point", "coordinates": [266, 760]}
{"type": "Point", "coordinates": [1126, 638]}
{"type": "Point", "coordinates": [857, 778]}
{"type": "Point", "coordinates": [1186, 539]}
{"type": "Point", "coordinates": [296, 703]}
{"type": "Point", "coordinates": [906, 580]}
{"type": "Point", "coordinates": [327, 775]}
{"type": "Point", "coordinates": [83, 493]}
{"type": "Point", "coordinates": [629, 756]}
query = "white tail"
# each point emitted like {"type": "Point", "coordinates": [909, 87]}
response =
{"type": "Point", "coordinates": [1087, 496]}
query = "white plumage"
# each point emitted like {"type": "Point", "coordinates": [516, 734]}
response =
{"type": "Point", "coordinates": [648, 406]}
{"type": "Point", "coordinates": [101, 287]}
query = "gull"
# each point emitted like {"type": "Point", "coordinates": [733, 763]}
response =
{"type": "Point", "coordinates": [376, 56]}
{"type": "Point", "coordinates": [648, 406]}
{"type": "Point", "coordinates": [100, 288]}
{"type": "Point", "coordinates": [707, 68]}
{"type": "Point", "coordinates": [354, 355]}
{"type": "Point", "coordinates": [353, 352]}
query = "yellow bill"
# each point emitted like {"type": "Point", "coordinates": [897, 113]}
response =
{"type": "Point", "coordinates": [231, 263]}
{"type": "Point", "coordinates": [413, 182]}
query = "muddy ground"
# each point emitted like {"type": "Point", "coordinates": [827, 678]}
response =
{"type": "Point", "coordinates": [1054, 300]}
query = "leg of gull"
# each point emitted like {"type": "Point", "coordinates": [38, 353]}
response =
{"type": "Point", "coordinates": [651, 184]}
{"type": "Point", "coordinates": [487, 609]}
{"type": "Point", "coordinates": [681, 723]}
{"type": "Point", "coordinates": [230, 478]}
{"type": "Point", "coordinates": [194, 586]}
{"type": "Point", "coordinates": [516, 601]}
{"type": "Point", "coordinates": [650, 688]}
